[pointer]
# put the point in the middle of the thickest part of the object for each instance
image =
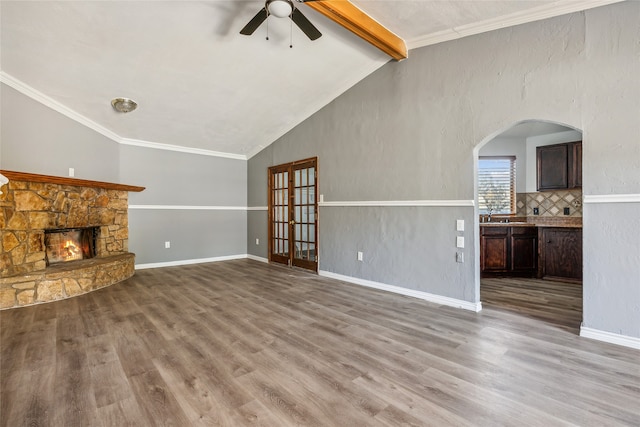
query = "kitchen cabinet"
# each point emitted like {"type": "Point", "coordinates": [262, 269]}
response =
{"type": "Point", "coordinates": [559, 166]}
{"type": "Point", "coordinates": [508, 250]}
{"type": "Point", "coordinates": [524, 250]}
{"type": "Point", "coordinates": [575, 165]}
{"type": "Point", "coordinates": [494, 249]}
{"type": "Point", "coordinates": [561, 254]}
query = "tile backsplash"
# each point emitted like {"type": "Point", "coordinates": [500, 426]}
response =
{"type": "Point", "coordinates": [550, 203]}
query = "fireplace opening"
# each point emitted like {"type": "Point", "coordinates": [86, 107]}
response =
{"type": "Point", "coordinates": [70, 244]}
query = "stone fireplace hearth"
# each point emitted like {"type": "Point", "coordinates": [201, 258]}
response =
{"type": "Point", "coordinates": [31, 206]}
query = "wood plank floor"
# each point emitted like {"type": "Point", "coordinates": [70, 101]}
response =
{"type": "Point", "coordinates": [241, 343]}
{"type": "Point", "coordinates": [556, 303]}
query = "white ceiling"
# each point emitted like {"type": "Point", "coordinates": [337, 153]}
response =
{"type": "Point", "coordinates": [201, 85]}
{"type": "Point", "coordinates": [533, 128]}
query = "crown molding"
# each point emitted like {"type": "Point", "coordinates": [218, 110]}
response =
{"type": "Point", "coordinates": [178, 148]}
{"type": "Point", "coordinates": [47, 101]}
{"type": "Point", "coordinates": [561, 7]}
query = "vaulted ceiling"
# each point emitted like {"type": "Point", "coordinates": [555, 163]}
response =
{"type": "Point", "coordinates": [200, 84]}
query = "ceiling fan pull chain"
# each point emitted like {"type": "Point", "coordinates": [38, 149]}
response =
{"type": "Point", "coordinates": [291, 34]}
{"type": "Point", "coordinates": [267, 28]}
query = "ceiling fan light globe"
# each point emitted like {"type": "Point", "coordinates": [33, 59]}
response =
{"type": "Point", "coordinates": [280, 8]}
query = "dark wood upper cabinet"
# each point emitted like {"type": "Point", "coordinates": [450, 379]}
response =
{"type": "Point", "coordinates": [575, 165]}
{"type": "Point", "coordinates": [552, 165]}
{"type": "Point", "coordinates": [559, 166]}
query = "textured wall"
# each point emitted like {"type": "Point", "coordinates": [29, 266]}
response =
{"type": "Point", "coordinates": [198, 203]}
{"type": "Point", "coordinates": [408, 132]}
{"type": "Point", "coordinates": [612, 268]}
{"type": "Point", "coordinates": [36, 139]}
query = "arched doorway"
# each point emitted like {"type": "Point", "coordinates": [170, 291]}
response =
{"type": "Point", "coordinates": [522, 225]}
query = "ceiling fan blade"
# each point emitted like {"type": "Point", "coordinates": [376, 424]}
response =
{"type": "Point", "coordinates": [305, 25]}
{"type": "Point", "coordinates": [255, 22]}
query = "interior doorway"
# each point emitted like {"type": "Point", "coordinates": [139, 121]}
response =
{"type": "Point", "coordinates": [293, 214]}
{"type": "Point", "coordinates": [516, 274]}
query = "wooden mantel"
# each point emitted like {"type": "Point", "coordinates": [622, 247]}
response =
{"type": "Point", "coordinates": [31, 177]}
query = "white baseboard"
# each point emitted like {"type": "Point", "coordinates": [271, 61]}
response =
{"type": "Point", "coordinates": [610, 337]}
{"type": "Point", "coordinates": [257, 258]}
{"type": "Point", "coordinates": [189, 261]}
{"type": "Point", "coordinates": [438, 299]}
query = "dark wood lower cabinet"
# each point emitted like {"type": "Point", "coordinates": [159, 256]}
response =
{"type": "Point", "coordinates": [561, 254]}
{"type": "Point", "coordinates": [508, 251]}
{"type": "Point", "coordinates": [524, 250]}
{"type": "Point", "coordinates": [494, 249]}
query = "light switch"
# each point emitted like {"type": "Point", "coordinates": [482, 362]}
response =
{"type": "Point", "coordinates": [460, 242]}
{"type": "Point", "coordinates": [460, 225]}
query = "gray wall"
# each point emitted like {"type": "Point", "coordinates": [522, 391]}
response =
{"type": "Point", "coordinates": [409, 130]}
{"type": "Point", "coordinates": [198, 203]}
{"type": "Point", "coordinates": [37, 139]}
{"type": "Point", "coordinates": [257, 196]}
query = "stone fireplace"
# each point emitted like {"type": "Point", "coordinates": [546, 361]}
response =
{"type": "Point", "coordinates": [61, 237]}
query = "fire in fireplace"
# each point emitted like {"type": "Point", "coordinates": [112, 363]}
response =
{"type": "Point", "coordinates": [70, 244]}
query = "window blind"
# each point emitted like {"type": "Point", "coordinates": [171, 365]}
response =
{"type": "Point", "coordinates": [497, 184]}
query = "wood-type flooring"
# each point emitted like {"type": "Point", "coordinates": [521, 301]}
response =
{"type": "Point", "coordinates": [242, 343]}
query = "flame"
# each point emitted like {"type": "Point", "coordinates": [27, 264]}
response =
{"type": "Point", "coordinates": [70, 251]}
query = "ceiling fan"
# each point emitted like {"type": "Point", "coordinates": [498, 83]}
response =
{"type": "Point", "coordinates": [282, 9]}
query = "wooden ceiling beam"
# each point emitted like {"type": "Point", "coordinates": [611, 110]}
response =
{"type": "Point", "coordinates": [349, 16]}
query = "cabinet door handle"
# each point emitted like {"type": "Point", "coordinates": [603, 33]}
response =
{"type": "Point", "coordinates": [548, 241]}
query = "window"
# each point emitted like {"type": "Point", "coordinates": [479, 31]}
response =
{"type": "Point", "coordinates": [497, 185]}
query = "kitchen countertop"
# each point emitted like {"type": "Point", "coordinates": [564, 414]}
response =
{"type": "Point", "coordinates": [507, 224]}
{"type": "Point", "coordinates": [537, 222]}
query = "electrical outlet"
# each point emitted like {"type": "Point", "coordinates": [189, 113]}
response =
{"type": "Point", "coordinates": [360, 256]}
{"type": "Point", "coordinates": [167, 245]}
{"type": "Point", "coordinates": [536, 211]}
{"type": "Point", "coordinates": [459, 242]}
{"type": "Point", "coordinates": [566, 211]}
{"type": "Point", "coordinates": [72, 172]}
{"type": "Point", "coordinates": [257, 242]}
{"type": "Point", "coordinates": [460, 257]}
